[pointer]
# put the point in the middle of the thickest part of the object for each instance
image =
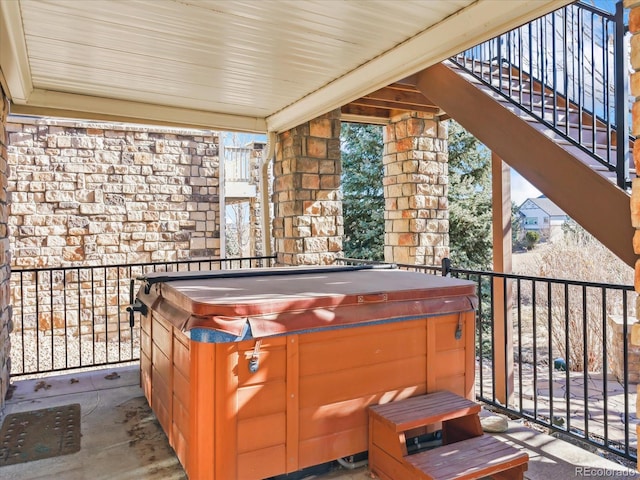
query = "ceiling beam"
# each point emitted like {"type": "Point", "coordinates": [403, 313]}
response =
{"type": "Point", "coordinates": [409, 81]}
{"type": "Point", "coordinates": [347, 117]}
{"type": "Point", "coordinates": [366, 102]}
{"type": "Point", "coordinates": [402, 87]}
{"type": "Point", "coordinates": [391, 94]}
{"type": "Point", "coordinates": [14, 61]}
{"type": "Point", "coordinates": [362, 111]}
{"type": "Point", "coordinates": [60, 104]}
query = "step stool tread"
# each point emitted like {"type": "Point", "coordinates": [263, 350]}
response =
{"type": "Point", "coordinates": [468, 459]}
{"type": "Point", "coordinates": [425, 409]}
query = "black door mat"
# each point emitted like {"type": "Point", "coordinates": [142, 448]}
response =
{"type": "Point", "coordinates": [38, 434]}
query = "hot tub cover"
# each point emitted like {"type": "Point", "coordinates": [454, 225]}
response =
{"type": "Point", "coordinates": [257, 303]}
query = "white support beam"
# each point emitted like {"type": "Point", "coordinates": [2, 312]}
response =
{"type": "Point", "coordinates": [14, 61]}
{"type": "Point", "coordinates": [59, 104]}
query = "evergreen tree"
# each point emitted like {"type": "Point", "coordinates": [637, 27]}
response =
{"type": "Point", "coordinates": [469, 196]}
{"type": "Point", "coordinates": [469, 200]}
{"type": "Point", "coordinates": [363, 195]}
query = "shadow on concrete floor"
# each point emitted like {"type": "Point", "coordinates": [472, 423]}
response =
{"type": "Point", "coordinates": [121, 438]}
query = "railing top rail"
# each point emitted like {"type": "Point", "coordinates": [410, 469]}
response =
{"type": "Point", "coordinates": [236, 147]}
{"type": "Point", "coordinates": [590, 8]}
{"type": "Point", "coordinates": [455, 270]}
{"type": "Point", "coordinates": [562, 281]}
{"type": "Point", "coordinates": [143, 264]}
{"type": "Point", "coordinates": [361, 261]}
{"type": "Point", "coordinates": [487, 273]}
{"type": "Point", "coordinates": [514, 276]}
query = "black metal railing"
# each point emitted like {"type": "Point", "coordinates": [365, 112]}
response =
{"type": "Point", "coordinates": [567, 359]}
{"type": "Point", "coordinates": [567, 366]}
{"type": "Point", "coordinates": [75, 317]}
{"type": "Point", "coordinates": [568, 70]}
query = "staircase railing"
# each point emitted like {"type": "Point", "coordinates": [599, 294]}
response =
{"type": "Point", "coordinates": [576, 57]}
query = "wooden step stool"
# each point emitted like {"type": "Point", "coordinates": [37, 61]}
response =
{"type": "Point", "coordinates": [466, 452]}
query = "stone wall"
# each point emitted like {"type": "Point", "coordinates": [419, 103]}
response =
{"type": "Point", "coordinates": [5, 273]}
{"type": "Point", "coordinates": [91, 193]}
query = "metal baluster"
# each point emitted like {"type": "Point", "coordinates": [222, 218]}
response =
{"type": "Point", "coordinates": [585, 362]}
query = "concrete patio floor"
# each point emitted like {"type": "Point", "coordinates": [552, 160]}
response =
{"type": "Point", "coordinates": [122, 440]}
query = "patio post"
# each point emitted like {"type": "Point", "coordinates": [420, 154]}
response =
{"type": "Point", "coordinates": [502, 301]}
{"type": "Point", "coordinates": [255, 204]}
{"type": "Point", "coordinates": [415, 189]}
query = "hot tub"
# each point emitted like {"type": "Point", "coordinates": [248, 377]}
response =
{"type": "Point", "coordinates": [256, 373]}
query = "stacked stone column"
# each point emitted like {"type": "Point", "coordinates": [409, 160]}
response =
{"type": "Point", "coordinates": [307, 225]}
{"type": "Point", "coordinates": [415, 189]}
{"type": "Point", "coordinates": [255, 203]}
{"type": "Point", "coordinates": [634, 29]}
{"type": "Point", "coordinates": [5, 271]}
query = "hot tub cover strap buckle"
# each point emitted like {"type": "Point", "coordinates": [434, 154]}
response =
{"type": "Point", "coordinates": [254, 361]}
{"type": "Point", "coordinates": [458, 334]}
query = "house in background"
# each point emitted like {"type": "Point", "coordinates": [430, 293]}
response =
{"type": "Point", "coordinates": [543, 216]}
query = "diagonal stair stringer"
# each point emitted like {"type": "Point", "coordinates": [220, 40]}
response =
{"type": "Point", "coordinates": [597, 204]}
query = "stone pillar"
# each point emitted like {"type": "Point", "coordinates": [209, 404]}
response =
{"type": "Point", "coordinates": [307, 225]}
{"type": "Point", "coordinates": [634, 30]}
{"type": "Point", "coordinates": [5, 271]}
{"type": "Point", "coordinates": [415, 190]}
{"type": "Point", "coordinates": [255, 203]}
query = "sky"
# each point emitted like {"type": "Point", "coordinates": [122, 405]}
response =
{"type": "Point", "coordinates": [521, 189]}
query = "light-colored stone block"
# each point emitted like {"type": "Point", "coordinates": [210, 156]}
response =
{"type": "Point", "coordinates": [635, 331]}
{"type": "Point", "coordinates": [631, 3]}
{"type": "Point", "coordinates": [635, 203]}
{"type": "Point", "coordinates": [616, 347]}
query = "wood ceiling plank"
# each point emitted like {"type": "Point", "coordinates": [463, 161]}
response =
{"type": "Point", "coordinates": [360, 110]}
{"type": "Point", "coordinates": [367, 102]}
{"type": "Point", "coordinates": [388, 94]}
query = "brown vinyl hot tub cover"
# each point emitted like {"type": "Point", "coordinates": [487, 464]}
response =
{"type": "Point", "coordinates": [284, 300]}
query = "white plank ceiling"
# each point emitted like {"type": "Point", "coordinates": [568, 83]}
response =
{"type": "Point", "coordinates": [252, 65]}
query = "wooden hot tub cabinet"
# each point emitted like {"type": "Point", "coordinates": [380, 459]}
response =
{"type": "Point", "coordinates": [253, 374]}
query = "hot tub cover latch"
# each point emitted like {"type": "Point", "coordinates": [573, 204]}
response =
{"type": "Point", "coordinates": [458, 334]}
{"type": "Point", "coordinates": [254, 361]}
